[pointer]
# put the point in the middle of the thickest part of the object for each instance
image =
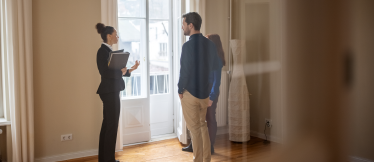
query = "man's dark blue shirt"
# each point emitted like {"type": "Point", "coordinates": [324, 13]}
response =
{"type": "Point", "coordinates": [198, 59]}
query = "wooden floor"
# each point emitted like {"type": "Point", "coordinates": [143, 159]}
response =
{"type": "Point", "coordinates": [170, 151]}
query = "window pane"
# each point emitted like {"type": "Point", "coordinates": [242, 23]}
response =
{"type": "Point", "coordinates": [159, 84]}
{"type": "Point", "coordinates": [179, 37]}
{"type": "Point", "coordinates": [132, 39]}
{"type": "Point", "coordinates": [159, 9]}
{"type": "Point", "coordinates": [159, 56]}
{"type": "Point", "coordinates": [131, 8]}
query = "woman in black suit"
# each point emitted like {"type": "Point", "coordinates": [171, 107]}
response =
{"type": "Point", "coordinates": [109, 91]}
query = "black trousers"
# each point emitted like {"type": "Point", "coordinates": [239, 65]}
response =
{"type": "Point", "coordinates": [211, 121]}
{"type": "Point", "coordinates": [109, 127]}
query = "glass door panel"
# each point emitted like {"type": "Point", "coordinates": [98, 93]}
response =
{"type": "Point", "coordinates": [133, 39]}
{"type": "Point", "coordinates": [132, 8]}
{"type": "Point", "coordinates": [159, 57]}
{"type": "Point", "coordinates": [161, 100]}
{"type": "Point", "coordinates": [159, 9]}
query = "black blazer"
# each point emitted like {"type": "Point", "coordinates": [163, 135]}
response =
{"type": "Point", "coordinates": [111, 80]}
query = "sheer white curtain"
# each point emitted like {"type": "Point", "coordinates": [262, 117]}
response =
{"type": "Point", "coordinates": [7, 73]}
{"type": "Point", "coordinates": [199, 7]}
{"type": "Point", "coordinates": [109, 16]}
{"type": "Point", "coordinates": [17, 68]}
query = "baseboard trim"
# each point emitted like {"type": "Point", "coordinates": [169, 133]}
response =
{"type": "Point", "coordinates": [262, 136]}
{"type": "Point", "coordinates": [225, 130]}
{"type": "Point", "coordinates": [67, 156]}
{"type": "Point", "coordinates": [220, 131]}
{"type": "Point", "coordinates": [358, 159]}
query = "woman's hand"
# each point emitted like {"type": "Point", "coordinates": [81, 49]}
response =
{"type": "Point", "coordinates": [124, 71]}
{"type": "Point", "coordinates": [137, 63]}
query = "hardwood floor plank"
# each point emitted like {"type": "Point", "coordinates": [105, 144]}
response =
{"type": "Point", "coordinates": [170, 151]}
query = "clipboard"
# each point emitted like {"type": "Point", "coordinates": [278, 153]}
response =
{"type": "Point", "coordinates": [118, 60]}
{"type": "Point", "coordinates": [110, 53]}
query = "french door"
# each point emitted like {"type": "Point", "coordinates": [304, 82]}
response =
{"type": "Point", "coordinates": [160, 58]}
{"type": "Point", "coordinates": [147, 102]}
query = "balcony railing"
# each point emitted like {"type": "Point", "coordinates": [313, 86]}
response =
{"type": "Point", "coordinates": [159, 84]}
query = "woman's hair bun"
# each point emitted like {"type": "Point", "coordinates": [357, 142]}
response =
{"type": "Point", "coordinates": [100, 27]}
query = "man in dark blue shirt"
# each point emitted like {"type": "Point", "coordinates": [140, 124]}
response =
{"type": "Point", "coordinates": [197, 60]}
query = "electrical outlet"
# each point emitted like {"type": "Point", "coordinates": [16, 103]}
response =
{"type": "Point", "coordinates": [66, 137]}
{"type": "Point", "coordinates": [268, 122]}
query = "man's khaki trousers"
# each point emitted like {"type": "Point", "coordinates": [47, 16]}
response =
{"type": "Point", "coordinates": [194, 112]}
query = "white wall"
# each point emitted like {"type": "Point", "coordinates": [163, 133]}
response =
{"type": "Point", "coordinates": [217, 22]}
{"type": "Point", "coordinates": [66, 78]}
{"type": "Point", "coordinates": [1, 71]}
{"type": "Point", "coordinates": [1, 89]}
{"type": "Point", "coordinates": [259, 25]}
{"type": "Point", "coordinates": [362, 110]}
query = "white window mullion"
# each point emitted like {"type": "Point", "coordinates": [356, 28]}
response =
{"type": "Point", "coordinates": [7, 79]}
{"type": "Point", "coordinates": [159, 19]}
{"type": "Point", "coordinates": [2, 22]}
{"type": "Point", "coordinates": [132, 18]}
{"type": "Point", "coordinates": [147, 45]}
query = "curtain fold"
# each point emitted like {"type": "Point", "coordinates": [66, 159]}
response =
{"type": "Point", "coordinates": [20, 70]}
{"type": "Point", "coordinates": [199, 7]}
{"type": "Point", "coordinates": [109, 15]}
{"type": "Point", "coordinates": [6, 67]}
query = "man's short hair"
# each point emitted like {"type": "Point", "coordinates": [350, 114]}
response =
{"type": "Point", "coordinates": [194, 18]}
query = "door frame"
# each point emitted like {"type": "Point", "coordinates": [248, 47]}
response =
{"type": "Point", "coordinates": [181, 131]}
